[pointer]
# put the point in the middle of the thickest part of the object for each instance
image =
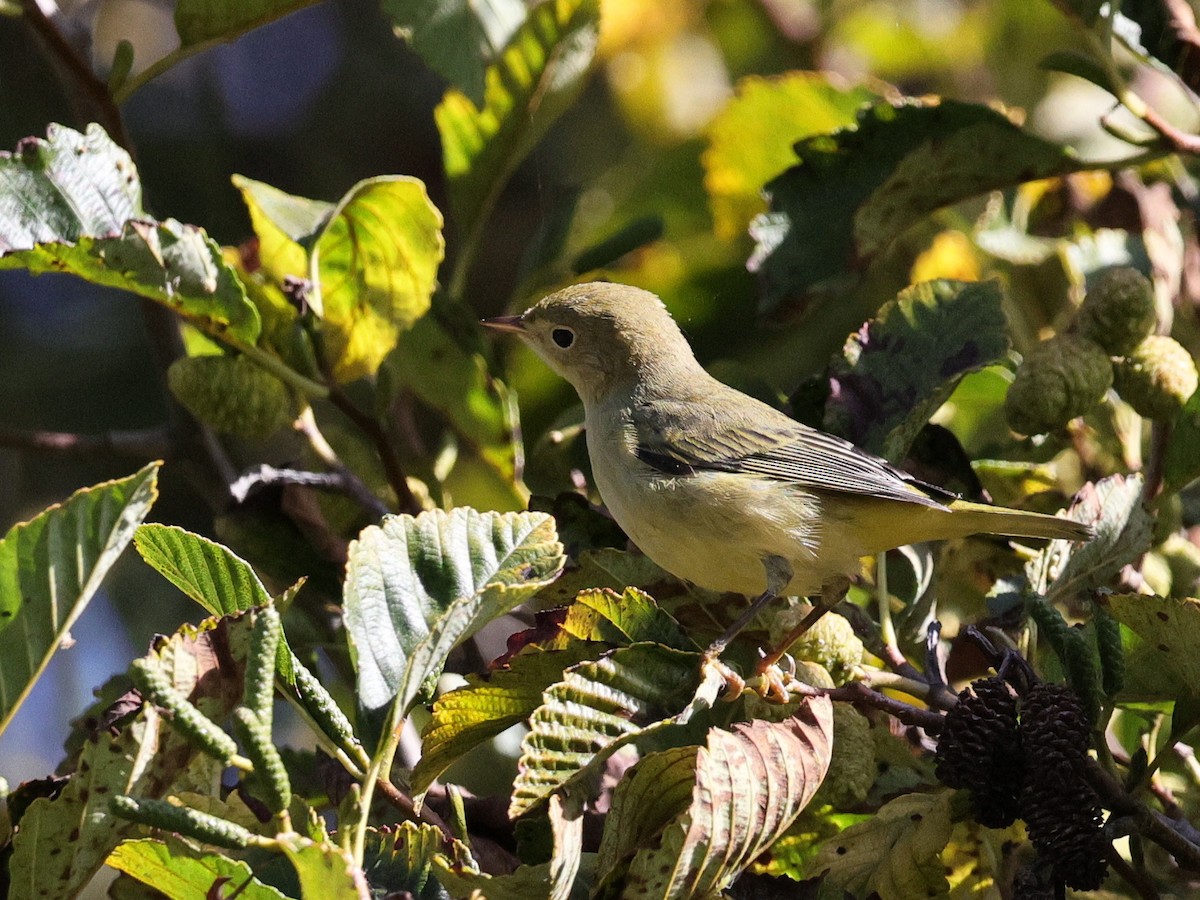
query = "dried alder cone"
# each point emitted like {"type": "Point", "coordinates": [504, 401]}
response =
{"type": "Point", "coordinates": [1026, 758]}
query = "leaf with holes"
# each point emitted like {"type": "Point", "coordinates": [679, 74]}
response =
{"type": "Point", "coordinates": [374, 267]}
{"type": "Point", "coordinates": [750, 784]}
{"type": "Point", "coordinates": [895, 853]}
{"type": "Point", "coordinates": [52, 565]}
{"type": "Point", "coordinates": [415, 587]}
{"type": "Point", "coordinates": [598, 707]}
{"type": "Point", "coordinates": [535, 79]}
{"type": "Point", "coordinates": [1169, 632]}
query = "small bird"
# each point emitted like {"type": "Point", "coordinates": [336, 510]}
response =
{"type": "Point", "coordinates": [721, 489]}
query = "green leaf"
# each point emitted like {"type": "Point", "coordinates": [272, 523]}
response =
{"type": "Point", "coordinates": [750, 785]}
{"type": "Point", "coordinates": [464, 718]}
{"type": "Point", "coordinates": [536, 78]}
{"type": "Point", "coordinates": [597, 708]}
{"type": "Point", "coordinates": [1181, 465]}
{"type": "Point", "coordinates": [854, 192]}
{"type": "Point", "coordinates": [286, 226]}
{"type": "Point", "coordinates": [629, 617]}
{"type": "Point", "coordinates": [211, 574]}
{"type": "Point", "coordinates": [1170, 632]}
{"type": "Point", "coordinates": [146, 759]}
{"type": "Point", "coordinates": [895, 853]}
{"type": "Point", "coordinates": [181, 873]}
{"type": "Point", "coordinates": [906, 362]}
{"type": "Point", "coordinates": [1123, 528]}
{"type": "Point", "coordinates": [51, 566]}
{"type": "Point", "coordinates": [524, 883]}
{"type": "Point", "coordinates": [205, 21]}
{"type": "Point", "coordinates": [399, 861]}
{"type": "Point", "coordinates": [74, 205]}
{"type": "Point", "coordinates": [326, 871]}
{"type": "Point", "coordinates": [415, 587]}
{"type": "Point", "coordinates": [374, 267]}
{"type": "Point", "coordinates": [751, 139]}
{"type": "Point", "coordinates": [455, 382]}
{"type": "Point", "coordinates": [456, 38]}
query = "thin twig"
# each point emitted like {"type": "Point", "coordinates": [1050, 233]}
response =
{"type": "Point", "coordinates": [860, 695]}
{"type": "Point", "coordinates": [143, 443]}
{"type": "Point", "coordinates": [339, 482]}
{"type": "Point", "coordinates": [404, 803]}
{"type": "Point", "coordinates": [1131, 876]}
{"type": "Point", "coordinates": [1154, 826]}
{"type": "Point", "coordinates": [383, 447]}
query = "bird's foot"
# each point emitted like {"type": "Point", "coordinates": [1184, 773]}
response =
{"type": "Point", "coordinates": [712, 667]}
{"type": "Point", "coordinates": [774, 681]}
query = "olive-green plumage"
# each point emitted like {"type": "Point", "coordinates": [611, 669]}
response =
{"type": "Point", "coordinates": [717, 487]}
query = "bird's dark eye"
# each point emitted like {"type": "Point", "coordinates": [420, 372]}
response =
{"type": "Point", "coordinates": [564, 337]}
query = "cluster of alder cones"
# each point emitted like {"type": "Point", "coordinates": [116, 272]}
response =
{"type": "Point", "coordinates": [1024, 756]}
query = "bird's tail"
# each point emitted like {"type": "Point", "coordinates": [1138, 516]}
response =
{"type": "Point", "coordinates": [978, 518]}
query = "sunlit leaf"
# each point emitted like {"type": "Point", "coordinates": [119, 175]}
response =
{"type": "Point", "coordinates": [904, 364]}
{"type": "Point", "coordinates": [72, 203]}
{"type": "Point", "coordinates": [147, 758]}
{"type": "Point", "coordinates": [598, 707]}
{"type": "Point", "coordinates": [1123, 526]}
{"type": "Point", "coordinates": [749, 786]}
{"type": "Point", "coordinates": [182, 873]}
{"type": "Point", "coordinates": [629, 617]}
{"type": "Point", "coordinates": [751, 140]}
{"type": "Point", "coordinates": [1169, 629]}
{"type": "Point", "coordinates": [286, 225]}
{"type": "Point", "coordinates": [327, 871]}
{"type": "Point", "coordinates": [374, 267]}
{"type": "Point", "coordinates": [52, 565]}
{"type": "Point", "coordinates": [415, 587]}
{"type": "Point", "coordinates": [456, 38]}
{"type": "Point", "coordinates": [212, 575]}
{"type": "Point", "coordinates": [535, 79]}
{"type": "Point", "coordinates": [895, 853]}
{"type": "Point", "coordinates": [464, 718]}
{"type": "Point", "coordinates": [853, 193]}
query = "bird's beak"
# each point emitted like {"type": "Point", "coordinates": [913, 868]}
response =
{"type": "Point", "coordinates": [512, 324]}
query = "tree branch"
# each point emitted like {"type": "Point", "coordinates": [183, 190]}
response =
{"type": "Point", "coordinates": [144, 444]}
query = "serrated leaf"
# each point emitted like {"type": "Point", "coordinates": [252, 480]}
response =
{"type": "Point", "coordinates": [204, 21]}
{"type": "Point", "coordinates": [534, 80]}
{"type": "Point", "coordinates": [1123, 528]}
{"type": "Point", "coordinates": [326, 871]}
{"type": "Point", "coordinates": [52, 565]}
{"type": "Point", "coordinates": [181, 873]}
{"type": "Point", "coordinates": [895, 853]}
{"type": "Point", "coordinates": [854, 192]}
{"type": "Point", "coordinates": [1169, 629]}
{"type": "Point", "coordinates": [751, 139]}
{"type": "Point", "coordinates": [629, 617]}
{"type": "Point", "coordinates": [210, 573]}
{"type": "Point", "coordinates": [415, 587]}
{"type": "Point", "coordinates": [286, 225]}
{"type": "Point", "coordinates": [750, 785]}
{"type": "Point", "coordinates": [146, 759]}
{"type": "Point", "coordinates": [900, 368]}
{"type": "Point", "coordinates": [456, 38]}
{"type": "Point", "coordinates": [399, 860]}
{"type": "Point", "coordinates": [598, 707]}
{"type": "Point", "coordinates": [428, 362]}
{"type": "Point", "coordinates": [650, 795]}
{"type": "Point", "coordinates": [524, 883]}
{"type": "Point", "coordinates": [72, 203]}
{"type": "Point", "coordinates": [464, 718]}
{"type": "Point", "coordinates": [374, 267]}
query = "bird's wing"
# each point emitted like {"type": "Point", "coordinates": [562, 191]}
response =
{"type": "Point", "coordinates": [681, 438]}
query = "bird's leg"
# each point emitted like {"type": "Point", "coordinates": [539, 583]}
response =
{"type": "Point", "coordinates": [779, 573]}
{"type": "Point", "coordinates": [832, 593]}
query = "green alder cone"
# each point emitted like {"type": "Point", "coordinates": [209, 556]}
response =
{"type": "Point", "coordinates": [232, 394]}
{"type": "Point", "coordinates": [1157, 378]}
{"type": "Point", "coordinates": [1118, 312]}
{"type": "Point", "coordinates": [852, 770]}
{"type": "Point", "coordinates": [1060, 379]}
{"type": "Point", "coordinates": [831, 642]}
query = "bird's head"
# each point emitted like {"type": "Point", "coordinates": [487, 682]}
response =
{"type": "Point", "coordinates": [604, 337]}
